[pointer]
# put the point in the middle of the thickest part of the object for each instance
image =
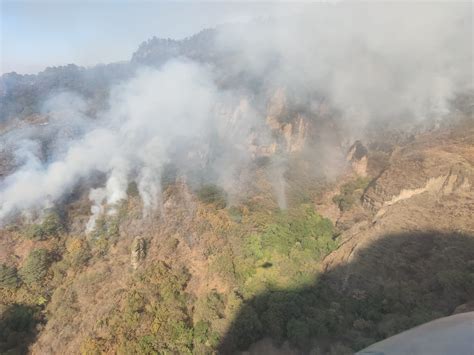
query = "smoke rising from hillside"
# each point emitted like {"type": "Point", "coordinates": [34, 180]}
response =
{"type": "Point", "coordinates": [391, 64]}
{"type": "Point", "coordinates": [372, 61]}
{"type": "Point", "coordinates": [129, 141]}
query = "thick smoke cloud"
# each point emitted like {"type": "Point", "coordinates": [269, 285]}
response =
{"type": "Point", "coordinates": [372, 61]}
{"type": "Point", "coordinates": [391, 64]}
{"type": "Point", "coordinates": [128, 141]}
{"type": "Point", "coordinates": [161, 113]}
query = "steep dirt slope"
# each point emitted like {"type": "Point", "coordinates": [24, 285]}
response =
{"type": "Point", "coordinates": [427, 185]}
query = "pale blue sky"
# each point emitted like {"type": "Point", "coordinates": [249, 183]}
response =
{"type": "Point", "coordinates": [36, 34]}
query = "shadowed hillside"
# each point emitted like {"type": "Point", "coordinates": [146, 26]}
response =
{"type": "Point", "coordinates": [395, 283]}
{"type": "Point", "coordinates": [17, 328]}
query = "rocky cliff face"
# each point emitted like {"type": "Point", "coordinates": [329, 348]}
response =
{"type": "Point", "coordinates": [357, 157]}
{"type": "Point", "coordinates": [291, 127]}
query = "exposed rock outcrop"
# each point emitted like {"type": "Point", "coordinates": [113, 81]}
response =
{"type": "Point", "coordinates": [292, 128]}
{"type": "Point", "coordinates": [357, 157]}
{"type": "Point", "coordinates": [138, 251]}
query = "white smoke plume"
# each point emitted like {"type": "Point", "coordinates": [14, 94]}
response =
{"type": "Point", "coordinates": [129, 141]}
{"type": "Point", "coordinates": [97, 196]}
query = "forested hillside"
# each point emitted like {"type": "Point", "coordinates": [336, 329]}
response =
{"type": "Point", "coordinates": [294, 185]}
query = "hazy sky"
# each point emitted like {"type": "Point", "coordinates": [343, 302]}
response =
{"type": "Point", "coordinates": [37, 34]}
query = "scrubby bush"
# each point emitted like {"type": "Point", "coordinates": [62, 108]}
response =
{"type": "Point", "coordinates": [298, 332]}
{"type": "Point", "coordinates": [16, 328]}
{"type": "Point", "coordinates": [235, 214]}
{"type": "Point", "coordinates": [212, 194]}
{"type": "Point", "coordinates": [78, 252]}
{"type": "Point", "coordinates": [36, 266]}
{"type": "Point", "coordinates": [247, 328]}
{"type": "Point", "coordinates": [8, 276]}
{"type": "Point", "coordinates": [205, 339]}
{"type": "Point", "coordinates": [154, 317]}
{"type": "Point", "coordinates": [91, 346]}
{"type": "Point", "coordinates": [215, 304]}
{"type": "Point", "coordinates": [51, 226]}
{"type": "Point", "coordinates": [223, 265]}
{"type": "Point", "coordinates": [106, 233]}
{"type": "Point", "coordinates": [350, 193]}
